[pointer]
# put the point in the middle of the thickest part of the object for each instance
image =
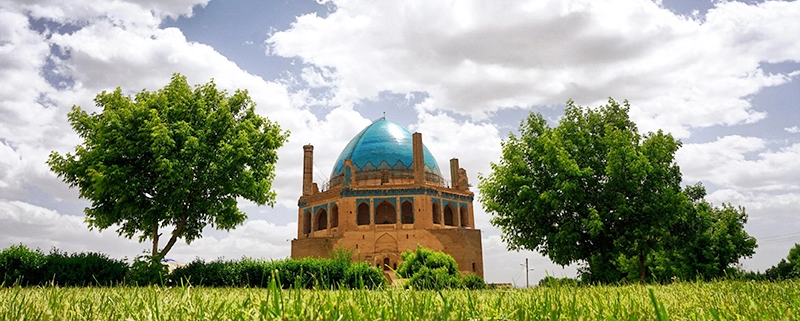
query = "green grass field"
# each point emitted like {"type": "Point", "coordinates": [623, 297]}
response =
{"type": "Point", "coordinates": [728, 300]}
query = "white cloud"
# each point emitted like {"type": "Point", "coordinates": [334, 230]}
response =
{"type": "Point", "coordinates": [742, 163]}
{"type": "Point", "coordinates": [36, 226]}
{"type": "Point", "coordinates": [475, 57]}
{"type": "Point", "coordinates": [793, 129]}
{"type": "Point", "coordinates": [132, 11]}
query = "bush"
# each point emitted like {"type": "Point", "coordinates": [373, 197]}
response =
{"type": "Point", "coordinates": [308, 273]}
{"type": "Point", "coordinates": [361, 275]}
{"type": "Point", "coordinates": [550, 281]}
{"type": "Point", "coordinates": [474, 282]}
{"type": "Point", "coordinates": [429, 270]}
{"type": "Point", "coordinates": [83, 269]}
{"type": "Point", "coordinates": [21, 266]}
{"type": "Point", "coordinates": [147, 270]}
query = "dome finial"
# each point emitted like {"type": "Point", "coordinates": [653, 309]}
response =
{"type": "Point", "coordinates": [384, 115]}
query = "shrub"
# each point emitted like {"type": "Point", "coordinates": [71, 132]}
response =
{"type": "Point", "coordinates": [308, 273]}
{"type": "Point", "coordinates": [474, 282]}
{"type": "Point", "coordinates": [21, 266]}
{"type": "Point", "coordinates": [83, 269]}
{"type": "Point", "coordinates": [550, 281]}
{"type": "Point", "coordinates": [147, 270]}
{"type": "Point", "coordinates": [430, 270]}
{"type": "Point", "coordinates": [361, 275]}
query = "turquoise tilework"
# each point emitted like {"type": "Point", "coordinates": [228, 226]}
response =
{"type": "Point", "coordinates": [383, 145]}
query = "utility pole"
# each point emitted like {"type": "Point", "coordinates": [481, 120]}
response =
{"type": "Point", "coordinates": [527, 282]}
{"type": "Point", "coordinates": [527, 270]}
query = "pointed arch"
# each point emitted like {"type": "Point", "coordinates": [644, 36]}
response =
{"type": "Point", "coordinates": [385, 213]}
{"type": "Point", "coordinates": [437, 217]}
{"type": "Point", "coordinates": [321, 222]}
{"type": "Point", "coordinates": [464, 217]}
{"type": "Point", "coordinates": [407, 213]}
{"type": "Point", "coordinates": [362, 214]}
{"type": "Point", "coordinates": [448, 215]}
{"type": "Point", "coordinates": [334, 216]}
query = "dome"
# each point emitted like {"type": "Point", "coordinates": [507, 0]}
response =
{"type": "Point", "coordinates": [383, 145]}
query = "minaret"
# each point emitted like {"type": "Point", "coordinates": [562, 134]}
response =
{"type": "Point", "coordinates": [454, 179]}
{"type": "Point", "coordinates": [419, 159]}
{"type": "Point", "coordinates": [308, 169]}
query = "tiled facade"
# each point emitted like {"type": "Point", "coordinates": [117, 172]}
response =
{"type": "Point", "coordinates": [387, 195]}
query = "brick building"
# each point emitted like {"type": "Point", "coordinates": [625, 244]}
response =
{"type": "Point", "coordinates": [387, 195]}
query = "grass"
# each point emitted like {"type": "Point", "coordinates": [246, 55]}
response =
{"type": "Point", "coordinates": [727, 300]}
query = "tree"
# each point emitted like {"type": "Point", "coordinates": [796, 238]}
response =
{"type": "Point", "coordinates": [175, 157]}
{"type": "Point", "coordinates": [591, 190]}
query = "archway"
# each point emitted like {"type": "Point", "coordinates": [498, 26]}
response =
{"type": "Point", "coordinates": [386, 264]}
{"type": "Point", "coordinates": [335, 216]}
{"type": "Point", "coordinates": [322, 220]}
{"type": "Point", "coordinates": [448, 215]}
{"type": "Point", "coordinates": [362, 216]}
{"type": "Point", "coordinates": [407, 213]}
{"type": "Point", "coordinates": [464, 218]}
{"type": "Point", "coordinates": [437, 219]}
{"type": "Point", "coordinates": [385, 213]}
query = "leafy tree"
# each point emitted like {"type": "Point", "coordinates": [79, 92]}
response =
{"type": "Point", "coordinates": [429, 270]}
{"type": "Point", "coordinates": [175, 157]}
{"type": "Point", "coordinates": [787, 268]}
{"type": "Point", "coordinates": [591, 190]}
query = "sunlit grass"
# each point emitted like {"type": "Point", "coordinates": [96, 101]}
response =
{"type": "Point", "coordinates": [729, 300]}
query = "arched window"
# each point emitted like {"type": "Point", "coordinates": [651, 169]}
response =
{"type": "Point", "coordinates": [385, 263]}
{"type": "Point", "coordinates": [407, 213]}
{"type": "Point", "coordinates": [362, 217]}
{"type": "Point", "coordinates": [335, 215]}
{"type": "Point", "coordinates": [464, 218]}
{"type": "Point", "coordinates": [448, 215]}
{"type": "Point", "coordinates": [306, 222]}
{"type": "Point", "coordinates": [322, 220]}
{"type": "Point", "coordinates": [437, 218]}
{"type": "Point", "coordinates": [385, 213]}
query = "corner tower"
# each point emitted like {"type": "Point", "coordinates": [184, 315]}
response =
{"type": "Point", "coordinates": [387, 195]}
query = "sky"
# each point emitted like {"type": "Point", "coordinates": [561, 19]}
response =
{"type": "Point", "coordinates": [721, 76]}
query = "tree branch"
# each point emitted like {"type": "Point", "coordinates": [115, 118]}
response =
{"type": "Point", "coordinates": [178, 230]}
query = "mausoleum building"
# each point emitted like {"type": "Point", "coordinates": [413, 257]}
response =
{"type": "Point", "coordinates": [387, 195]}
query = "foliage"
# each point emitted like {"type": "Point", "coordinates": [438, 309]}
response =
{"type": "Point", "coordinates": [474, 282]}
{"type": "Point", "coordinates": [593, 191]}
{"type": "Point", "coordinates": [550, 281]}
{"type": "Point", "coordinates": [147, 270]}
{"type": "Point", "coordinates": [427, 269]}
{"type": "Point", "coordinates": [21, 266]}
{"type": "Point", "coordinates": [177, 157]}
{"type": "Point", "coordinates": [788, 268]}
{"type": "Point", "coordinates": [706, 242]}
{"type": "Point", "coordinates": [83, 269]}
{"type": "Point", "coordinates": [309, 273]}
{"type": "Point", "coordinates": [729, 300]}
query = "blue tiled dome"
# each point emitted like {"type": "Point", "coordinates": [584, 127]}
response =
{"type": "Point", "coordinates": [383, 145]}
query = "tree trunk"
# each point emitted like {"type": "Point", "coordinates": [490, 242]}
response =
{"type": "Point", "coordinates": [155, 240]}
{"type": "Point", "coordinates": [178, 230]}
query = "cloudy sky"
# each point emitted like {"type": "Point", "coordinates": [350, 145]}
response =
{"type": "Point", "coordinates": [720, 75]}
